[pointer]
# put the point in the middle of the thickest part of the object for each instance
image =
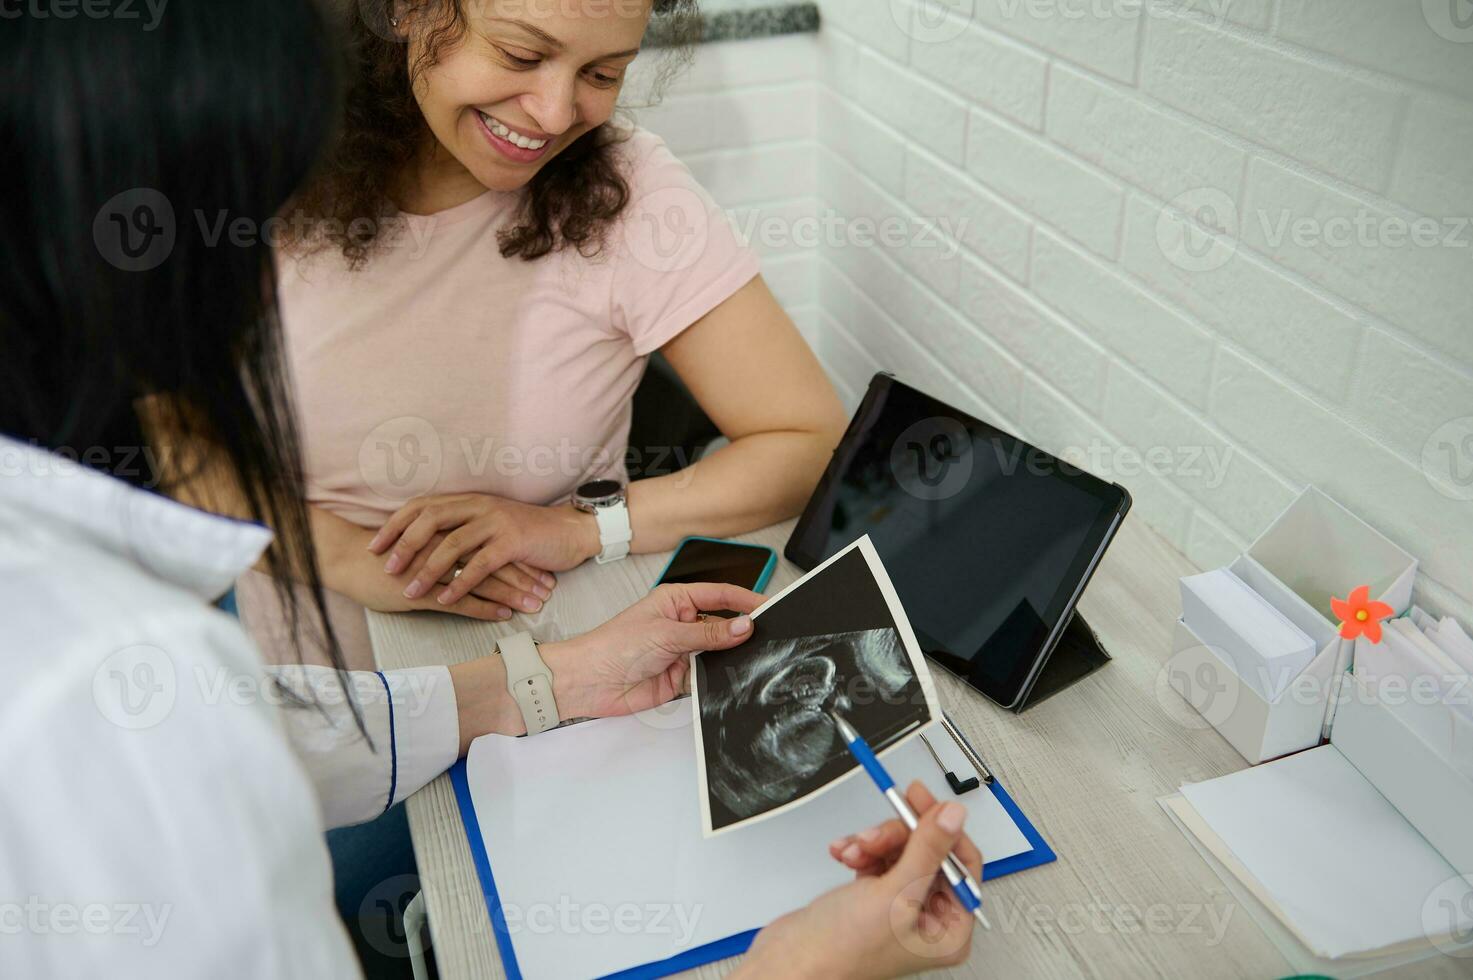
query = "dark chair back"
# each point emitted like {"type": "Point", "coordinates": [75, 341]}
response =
{"type": "Point", "coordinates": [668, 427]}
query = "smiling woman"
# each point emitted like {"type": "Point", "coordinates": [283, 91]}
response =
{"type": "Point", "coordinates": [480, 273]}
{"type": "Point", "coordinates": [423, 67]}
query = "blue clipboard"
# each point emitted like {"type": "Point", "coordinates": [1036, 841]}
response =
{"type": "Point", "coordinates": [721, 948]}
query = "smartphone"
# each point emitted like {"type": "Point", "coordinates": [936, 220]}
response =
{"type": "Point", "coordinates": [699, 559]}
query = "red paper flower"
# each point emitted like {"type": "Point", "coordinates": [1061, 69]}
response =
{"type": "Point", "coordinates": [1360, 615]}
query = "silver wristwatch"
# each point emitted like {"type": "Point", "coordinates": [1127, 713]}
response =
{"type": "Point", "coordinates": [607, 502]}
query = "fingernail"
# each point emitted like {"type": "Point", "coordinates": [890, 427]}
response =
{"type": "Point", "coordinates": [443, 598]}
{"type": "Point", "coordinates": [951, 817]}
{"type": "Point", "coordinates": [503, 613]}
{"type": "Point", "coordinates": [414, 589]}
{"type": "Point", "coordinates": [542, 593]}
{"type": "Point", "coordinates": [851, 853]}
{"type": "Point", "coordinates": [741, 625]}
{"type": "Point", "coordinates": [548, 580]}
{"type": "Point", "coordinates": [838, 845]}
{"type": "Point", "coordinates": [530, 604]}
{"type": "Point", "coordinates": [392, 565]}
{"type": "Point", "coordinates": [373, 545]}
{"type": "Point", "coordinates": [869, 835]}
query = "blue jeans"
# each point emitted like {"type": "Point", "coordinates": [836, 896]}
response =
{"type": "Point", "coordinates": [374, 877]}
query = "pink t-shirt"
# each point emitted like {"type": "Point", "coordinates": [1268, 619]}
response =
{"type": "Point", "coordinates": [442, 367]}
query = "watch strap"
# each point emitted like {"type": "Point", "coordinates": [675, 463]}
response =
{"type": "Point", "coordinates": [614, 532]}
{"type": "Point", "coordinates": [529, 681]}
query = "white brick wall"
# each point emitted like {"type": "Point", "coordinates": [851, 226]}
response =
{"type": "Point", "coordinates": [1231, 230]}
{"type": "Point", "coordinates": [743, 117]}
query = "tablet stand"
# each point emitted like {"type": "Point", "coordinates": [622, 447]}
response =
{"type": "Point", "coordinates": [1077, 654]}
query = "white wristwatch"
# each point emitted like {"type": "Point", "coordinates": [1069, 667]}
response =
{"type": "Point", "coordinates": [529, 681]}
{"type": "Point", "coordinates": [606, 501]}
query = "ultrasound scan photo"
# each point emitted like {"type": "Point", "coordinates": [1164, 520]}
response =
{"type": "Point", "coordinates": [766, 736]}
{"type": "Point", "coordinates": [769, 715]}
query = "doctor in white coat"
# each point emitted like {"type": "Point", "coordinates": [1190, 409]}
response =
{"type": "Point", "coordinates": [163, 794]}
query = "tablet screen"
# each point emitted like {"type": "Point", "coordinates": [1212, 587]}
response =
{"type": "Point", "coordinates": [986, 538]}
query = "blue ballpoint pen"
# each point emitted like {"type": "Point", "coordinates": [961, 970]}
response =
{"type": "Point", "coordinates": [962, 883]}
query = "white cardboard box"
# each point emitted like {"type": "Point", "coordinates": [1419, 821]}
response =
{"type": "Point", "coordinates": [1314, 550]}
{"type": "Point", "coordinates": [1421, 704]}
{"type": "Point", "coordinates": [1259, 729]}
{"type": "Point", "coordinates": [1265, 649]}
{"type": "Point", "coordinates": [1420, 780]}
{"type": "Point", "coordinates": [1388, 860]}
{"type": "Point", "coordinates": [1354, 856]}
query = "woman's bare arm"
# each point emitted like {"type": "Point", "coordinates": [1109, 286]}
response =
{"type": "Point", "coordinates": [754, 375]}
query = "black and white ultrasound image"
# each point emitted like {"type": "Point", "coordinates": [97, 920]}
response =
{"type": "Point", "coordinates": [765, 719]}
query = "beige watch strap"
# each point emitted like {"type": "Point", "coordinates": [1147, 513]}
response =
{"type": "Point", "coordinates": [529, 681]}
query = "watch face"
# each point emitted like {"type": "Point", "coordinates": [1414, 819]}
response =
{"type": "Point", "coordinates": [596, 489]}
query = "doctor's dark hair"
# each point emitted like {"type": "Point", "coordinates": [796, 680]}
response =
{"type": "Point", "coordinates": [129, 326]}
{"type": "Point", "coordinates": [570, 202]}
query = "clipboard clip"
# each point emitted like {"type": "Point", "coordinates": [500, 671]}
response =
{"type": "Point", "coordinates": [959, 785]}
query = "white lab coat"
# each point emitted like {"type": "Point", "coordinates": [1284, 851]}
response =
{"type": "Point", "coordinates": [161, 811]}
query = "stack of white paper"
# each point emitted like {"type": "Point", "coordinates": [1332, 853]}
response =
{"type": "Point", "coordinates": [1322, 849]}
{"type": "Point", "coordinates": [1422, 678]}
{"type": "Point", "coordinates": [1260, 643]}
{"type": "Point", "coordinates": [1450, 637]}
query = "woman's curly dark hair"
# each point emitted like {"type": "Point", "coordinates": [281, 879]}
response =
{"type": "Point", "coordinates": [571, 201]}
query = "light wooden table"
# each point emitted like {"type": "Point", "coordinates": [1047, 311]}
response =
{"type": "Point", "coordinates": [1128, 897]}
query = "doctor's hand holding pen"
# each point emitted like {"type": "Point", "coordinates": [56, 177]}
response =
{"type": "Point", "coordinates": [898, 916]}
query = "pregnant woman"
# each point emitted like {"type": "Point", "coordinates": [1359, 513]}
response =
{"type": "Point", "coordinates": [475, 280]}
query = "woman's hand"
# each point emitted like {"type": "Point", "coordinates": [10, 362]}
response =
{"type": "Point", "coordinates": [641, 657]}
{"type": "Point", "coordinates": [360, 576]}
{"type": "Point", "coordinates": [430, 536]}
{"type": "Point", "coordinates": [898, 917]}
{"type": "Point", "coordinates": [637, 660]}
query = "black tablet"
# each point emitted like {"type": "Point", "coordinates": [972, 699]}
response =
{"type": "Point", "coordinates": [988, 540]}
